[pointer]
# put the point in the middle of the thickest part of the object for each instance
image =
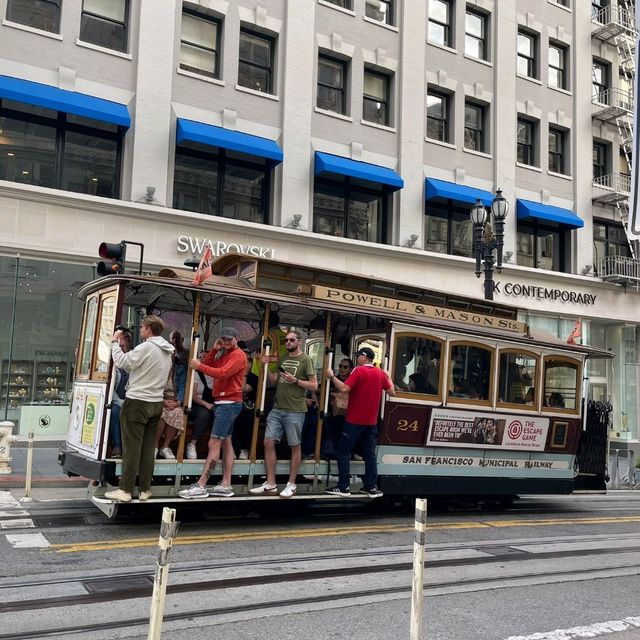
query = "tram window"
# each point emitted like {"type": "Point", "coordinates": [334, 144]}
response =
{"type": "Point", "coordinates": [516, 379]}
{"type": "Point", "coordinates": [301, 274]}
{"type": "Point", "coordinates": [90, 314]}
{"type": "Point", "coordinates": [375, 343]}
{"type": "Point", "coordinates": [470, 372]}
{"type": "Point", "coordinates": [560, 383]}
{"type": "Point", "coordinates": [416, 367]}
{"type": "Point", "coordinates": [105, 331]}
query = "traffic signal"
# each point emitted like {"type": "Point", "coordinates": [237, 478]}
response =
{"type": "Point", "coordinates": [116, 253]}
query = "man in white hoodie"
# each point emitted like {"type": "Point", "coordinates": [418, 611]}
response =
{"type": "Point", "coordinates": [148, 366]}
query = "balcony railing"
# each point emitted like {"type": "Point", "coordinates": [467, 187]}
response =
{"type": "Point", "coordinates": [611, 104]}
{"type": "Point", "coordinates": [611, 188]}
{"type": "Point", "coordinates": [621, 269]}
{"type": "Point", "coordinates": [613, 21]}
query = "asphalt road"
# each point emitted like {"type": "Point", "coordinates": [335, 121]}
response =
{"type": "Point", "coordinates": [554, 568]}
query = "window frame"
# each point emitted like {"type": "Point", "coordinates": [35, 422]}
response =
{"type": "Point", "coordinates": [206, 18]}
{"type": "Point", "coordinates": [447, 212]}
{"type": "Point", "coordinates": [451, 400]}
{"type": "Point", "coordinates": [343, 4]}
{"type": "Point", "coordinates": [483, 110]}
{"type": "Point", "coordinates": [606, 73]}
{"type": "Point", "coordinates": [483, 39]}
{"type": "Point", "coordinates": [427, 398]}
{"type": "Point", "coordinates": [533, 228]}
{"type": "Point", "coordinates": [390, 13]}
{"type": "Point", "coordinates": [530, 59]}
{"type": "Point", "coordinates": [344, 65]}
{"type": "Point", "coordinates": [536, 380]}
{"type": "Point", "coordinates": [446, 120]}
{"type": "Point", "coordinates": [102, 376]}
{"type": "Point", "coordinates": [79, 375]}
{"type": "Point", "coordinates": [247, 31]}
{"type": "Point", "coordinates": [57, 3]}
{"type": "Point", "coordinates": [448, 31]}
{"type": "Point", "coordinates": [605, 147]}
{"type": "Point", "coordinates": [221, 160]}
{"type": "Point", "coordinates": [531, 146]}
{"type": "Point", "coordinates": [125, 25]}
{"type": "Point", "coordinates": [608, 225]}
{"type": "Point", "coordinates": [563, 69]}
{"type": "Point", "coordinates": [578, 388]}
{"type": "Point", "coordinates": [387, 99]}
{"type": "Point", "coordinates": [61, 125]}
{"type": "Point", "coordinates": [562, 136]}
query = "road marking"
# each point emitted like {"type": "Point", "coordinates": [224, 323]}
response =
{"type": "Point", "coordinates": [17, 523]}
{"type": "Point", "coordinates": [244, 536]}
{"type": "Point", "coordinates": [12, 517]}
{"type": "Point", "coordinates": [27, 540]}
{"type": "Point", "coordinates": [590, 631]}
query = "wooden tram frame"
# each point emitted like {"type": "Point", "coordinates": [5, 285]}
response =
{"type": "Point", "coordinates": [408, 311]}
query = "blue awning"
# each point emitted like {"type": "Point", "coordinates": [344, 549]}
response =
{"type": "Point", "coordinates": [212, 136]}
{"type": "Point", "coordinates": [80, 104]}
{"type": "Point", "coordinates": [327, 163]}
{"type": "Point", "coordinates": [443, 190]}
{"type": "Point", "coordinates": [527, 210]}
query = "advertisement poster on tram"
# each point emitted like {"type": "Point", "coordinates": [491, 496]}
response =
{"type": "Point", "coordinates": [487, 431]}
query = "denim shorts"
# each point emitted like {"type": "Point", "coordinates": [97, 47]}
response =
{"type": "Point", "coordinates": [288, 422]}
{"type": "Point", "coordinates": [224, 417]}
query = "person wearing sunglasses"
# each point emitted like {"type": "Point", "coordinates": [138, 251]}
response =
{"type": "Point", "coordinates": [226, 364]}
{"type": "Point", "coordinates": [296, 375]}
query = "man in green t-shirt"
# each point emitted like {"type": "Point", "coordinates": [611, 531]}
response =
{"type": "Point", "coordinates": [296, 375]}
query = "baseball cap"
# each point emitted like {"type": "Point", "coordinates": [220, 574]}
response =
{"type": "Point", "coordinates": [365, 351]}
{"type": "Point", "coordinates": [229, 332]}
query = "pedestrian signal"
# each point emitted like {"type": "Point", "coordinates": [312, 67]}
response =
{"type": "Point", "coordinates": [114, 252]}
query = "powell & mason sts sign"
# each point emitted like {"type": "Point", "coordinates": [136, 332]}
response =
{"type": "Point", "coordinates": [544, 293]}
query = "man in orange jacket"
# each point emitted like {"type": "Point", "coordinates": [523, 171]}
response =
{"type": "Point", "coordinates": [227, 371]}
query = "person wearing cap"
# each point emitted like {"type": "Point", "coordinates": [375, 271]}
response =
{"type": "Point", "coordinates": [226, 364]}
{"type": "Point", "coordinates": [364, 385]}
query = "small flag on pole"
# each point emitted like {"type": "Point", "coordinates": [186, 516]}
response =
{"type": "Point", "coordinates": [204, 268]}
{"type": "Point", "coordinates": [576, 333]}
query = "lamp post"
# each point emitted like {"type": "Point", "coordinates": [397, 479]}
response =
{"type": "Point", "coordinates": [485, 241]}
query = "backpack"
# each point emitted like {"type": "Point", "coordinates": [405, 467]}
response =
{"type": "Point", "coordinates": [207, 394]}
{"type": "Point", "coordinates": [122, 384]}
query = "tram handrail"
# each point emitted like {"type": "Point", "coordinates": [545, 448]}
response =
{"type": "Point", "coordinates": [265, 375]}
{"type": "Point", "coordinates": [196, 345]}
{"type": "Point", "coordinates": [327, 388]}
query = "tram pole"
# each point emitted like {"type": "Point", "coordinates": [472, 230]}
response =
{"type": "Point", "coordinates": [417, 600]}
{"type": "Point", "coordinates": [168, 530]}
{"type": "Point", "coordinates": [29, 471]}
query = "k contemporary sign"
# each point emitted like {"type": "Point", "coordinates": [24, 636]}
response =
{"type": "Point", "coordinates": [544, 293]}
{"type": "Point", "coordinates": [196, 246]}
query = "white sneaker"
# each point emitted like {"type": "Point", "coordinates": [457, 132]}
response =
{"type": "Point", "coordinates": [289, 490]}
{"type": "Point", "coordinates": [143, 496]}
{"type": "Point", "coordinates": [221, 490]}
{"type": "Point", "coordinates": [244, 454]}
{"type": "Point", "coordinates": [265, 487]}
{"type": "Point", "coordinates": [194, 491]}
{"type": "Point", "coordinates": [192, 454]}
{"type": "Point", "coordinates": [155, 453]}
{"type": "Point", "coordinates": [118, 495]}
{"type": "Point", "coordinates": [167, 453]}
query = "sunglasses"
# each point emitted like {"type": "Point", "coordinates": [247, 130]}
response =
{"type": "Point", "coordinates": [291, 339]}
{"type": "Point", "coordinates": [343, 366]}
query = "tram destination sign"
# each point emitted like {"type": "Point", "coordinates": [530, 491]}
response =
{"type": "Point", "coordinates": [474, 430]}
{"type": "Point", "coordinates": [368, 301]}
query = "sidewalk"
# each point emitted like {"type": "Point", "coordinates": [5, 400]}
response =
{"type": "Point", "coordinates": [46, 472]}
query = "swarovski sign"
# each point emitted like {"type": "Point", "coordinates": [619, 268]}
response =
{"type": "Point", "coordinates": [196, 246]}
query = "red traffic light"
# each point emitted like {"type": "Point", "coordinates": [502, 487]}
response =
{"type": "Point", "coordinates": [112, 250]}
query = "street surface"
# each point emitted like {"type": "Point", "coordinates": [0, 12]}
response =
{"type": "Point", "coordinates": [554, 568]}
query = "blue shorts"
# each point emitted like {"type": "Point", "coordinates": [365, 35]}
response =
{"type": "Point", "coordinates": [288, 422]}
{"type": "Point", "coordinates": [224, 418]}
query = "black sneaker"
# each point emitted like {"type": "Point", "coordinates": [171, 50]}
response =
{"type": "Point", "coordinates": [372, 493]}
{"type": "Point", "coordinates": [337, 491]}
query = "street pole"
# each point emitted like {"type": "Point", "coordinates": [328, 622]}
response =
{"type": "Point", "coordinates": [168, 530]}
{"type": "Point", "coordinates": [29, 472]}
{"type": "Point", "coordinates": [417, 600]}
{"type": "Point", "coordinates": [488, 274]}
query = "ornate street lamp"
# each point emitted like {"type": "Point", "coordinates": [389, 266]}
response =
{"type": "Point", "coordinates": [485, 242]}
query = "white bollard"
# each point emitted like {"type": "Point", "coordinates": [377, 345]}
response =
{"type": "Point", "coordinates": [6, 440]}
{"type": "Point", "coordinates": [415, 629]}
{"type": "Point", "coordinates": [168, 531]}
{"type": "Point", "coordinates": [29, 472]}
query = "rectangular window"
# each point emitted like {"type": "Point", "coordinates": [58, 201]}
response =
{"type": "Point", "coordinates": [221, 184]}
{"type": "Point", "coordinates": [527, 49]}
{"type": "Point", "coordinates": [255, 65]}
{"type": "Point", "coordinates": [104, 23]}
{"type": "Point", "coordinates": [597, 6]}
{"type": "Point", "coordinates": [439, 28]}
{"type": "Point", "coordinates": [557, 66]}
{"type": "Point", "coordinates": [438, 116]}
{"type": "Point", "coordinates": [609, 239]}
{"type": "Point", "coordinates": [199, 44]}
{"type": "Point", "coordinates": [540, 246]}
{"type": "Point", "coordinates": [375, 106]}
{"type": "Point", "coordinates": [600, 80]}
{"type": "Point", "coordinates": [345, 4]}
{"type": "Point", "coordinates": [474, 127]}
{"type": "Point", "coordinates": [449, 230]}
{"type": "Point", "coordinates": [38, 14]}
{"type": "Point", "coordinates": [526, 142]}
{"type": "Point", "coordinates": [346, 210]}
{"type": "Point", "coordinates": [380, 11]}
{"type": "Point", "coordinates": [475, 35]}
{"type": "Point", "coordinates": [600, 160]}
{"type": "Point", "coordinates": [557, 151]}
{"type": "Point", "coordinates": [58, 150]}
{"type": "Point", "coordinates": [332, 80]}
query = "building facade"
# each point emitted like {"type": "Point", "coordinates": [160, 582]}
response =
{"type": "Point", "coordinates": [355, 134]}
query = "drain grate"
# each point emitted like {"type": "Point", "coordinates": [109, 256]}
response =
{"type": "Point", "coordinates": [107, 585]}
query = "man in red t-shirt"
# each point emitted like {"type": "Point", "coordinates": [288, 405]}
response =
{"type": "Point", "coordinates": [364, 386]}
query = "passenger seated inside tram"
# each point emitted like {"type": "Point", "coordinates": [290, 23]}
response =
{"type": "Point", "coordinates": [458, 390]}
{"type": "Point", "coordinates": [417, 384]}
{"type": "Point", "coordinates": [530, 398]}
{"type": "Point", "coordinates": [556, 400]}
